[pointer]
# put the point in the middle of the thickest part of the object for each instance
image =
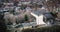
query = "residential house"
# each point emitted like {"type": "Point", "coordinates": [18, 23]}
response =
{"type": "Point", "coordinates": [42, 15]}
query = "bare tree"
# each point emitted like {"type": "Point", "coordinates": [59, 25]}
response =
{"type": "Point", "coordinates": [52, 4]}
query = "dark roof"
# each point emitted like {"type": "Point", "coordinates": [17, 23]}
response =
{"type": "Point", "coordinates": [48, 15]}
{"type": "Point", "coordinates": [40, 12]}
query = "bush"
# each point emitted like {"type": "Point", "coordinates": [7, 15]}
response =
{"type": "Point", "coordinates": [23, 6]}
{"type": "Point", "coordinates": [26, 18]}
{"type": "Point", "coordinates": [53, 14]}
{"type": "Point", "coordinates": [44, 29]}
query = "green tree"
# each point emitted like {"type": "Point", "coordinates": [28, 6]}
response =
{"type": "Point", "coordinates": [12, 11]}
{"type": "Point", "coordinates": [23, 6]}
{"type": "Point", "coordinates": [53, 14]}
{"type": "Point", "coordinates": [2, 24]}
{"type": "Point", "coordinates": [26, 18]}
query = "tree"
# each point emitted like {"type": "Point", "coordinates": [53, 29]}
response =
{"type": "Point", "coordinates": [2, 24]}
{"type": "Point", "coordinates": [1, 4]}
{"type": "Point", "coordinates": [12, 11]}
{"type": "Point", "coordinates": [52, 4]}
{"type": "Point", "coordinates": [9, 23]}
{"type": "Point", "coordinates": [5, 0]}
{"type": "Point", "coordinates": [26, 18]}
{"type": "Point", "coordinates": [54, 14]}
{"type": "Point", "coordinates": [16, 2]}
{"type": "Point", "coordinates": [23, 6]}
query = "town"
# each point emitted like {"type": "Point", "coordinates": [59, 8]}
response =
{"type": "Point", "coordinates": [18, 15]}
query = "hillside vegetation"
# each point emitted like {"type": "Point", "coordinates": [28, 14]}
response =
{"type": "Point", "coordinates": [55, 28]}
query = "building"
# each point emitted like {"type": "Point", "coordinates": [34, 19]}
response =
{"type": "Point", "coordinates": [42, 16]}
{"type": "Point", "coordinates": [39, 18]}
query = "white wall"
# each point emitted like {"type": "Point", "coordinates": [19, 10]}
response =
{"type": "Point", "coordinates": [39, 19]}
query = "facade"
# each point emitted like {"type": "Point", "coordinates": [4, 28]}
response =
{"type": "Point", "coordinates": [39, 19]}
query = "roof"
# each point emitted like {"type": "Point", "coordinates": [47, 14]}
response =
{"type": "Point", "coordinates": [48, 15]}
{"type": "Point", "coordinates": [39, 12]}
{"type": "Point", "coordinates": [43, 12]}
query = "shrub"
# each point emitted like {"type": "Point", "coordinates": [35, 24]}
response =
{"type": "Point", "coordinates": [26, 18]}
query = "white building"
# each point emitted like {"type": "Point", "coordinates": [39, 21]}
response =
{"type": "Point", "coordinates": [39, 18]}
{"type": "Point", "coordinates": [42, 16]}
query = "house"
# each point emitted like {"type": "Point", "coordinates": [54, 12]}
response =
{"type": "Point", "coordinates": [42, 16]}
{"type": "Point", "coordinates": [39, 18]}
{"type": "Point", "coordinates": [25, 3]}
